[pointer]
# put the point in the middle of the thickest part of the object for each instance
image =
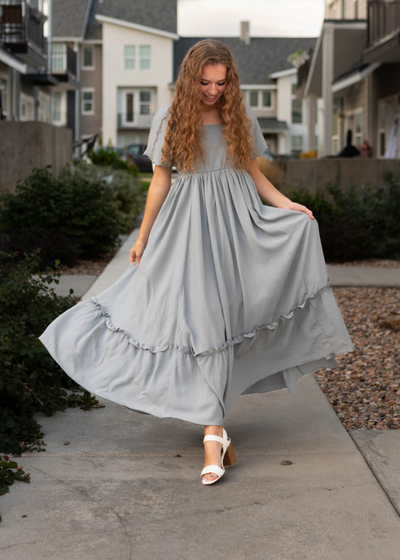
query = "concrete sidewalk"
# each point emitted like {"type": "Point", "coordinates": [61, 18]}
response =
{"type": "Point", "coordinates": [127, 485]}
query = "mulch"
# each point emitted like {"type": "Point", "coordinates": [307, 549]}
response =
{"type": "Point", "coordinates": [96, 266]}
{"type": "Point", "coordinates": [91, 266]}
{"type": "Point", "coordinates": [380, 263]}
{"type": "Point", "coordinates": [365, 389]}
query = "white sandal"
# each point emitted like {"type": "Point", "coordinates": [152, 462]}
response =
{"type": "Point", "coordinates": [230, 457]}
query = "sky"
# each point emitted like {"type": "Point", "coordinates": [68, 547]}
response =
{"type": "Point", "coordinates": [268, 18]}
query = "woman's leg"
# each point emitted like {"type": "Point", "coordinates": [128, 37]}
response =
{"type": "Point", "coordinates": [212, 450]}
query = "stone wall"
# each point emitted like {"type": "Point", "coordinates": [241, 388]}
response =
{"type": "Point", "coordinates": [26, 145]}
{"type": "Point", "coordinates": [313, 173]}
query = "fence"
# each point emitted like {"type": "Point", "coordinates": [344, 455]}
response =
{"type": "Point", "coordinates": [25, 145]}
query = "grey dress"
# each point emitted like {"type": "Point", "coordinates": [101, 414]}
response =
{"type": "Point", "coordinates": [230, 297]}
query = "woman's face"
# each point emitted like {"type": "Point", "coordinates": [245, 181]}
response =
{"type": "Point", "coordinates": [212, 83]}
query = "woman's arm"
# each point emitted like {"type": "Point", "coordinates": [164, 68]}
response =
{"type": "Point", "coordinates": [270, 194]}
{"type": "Point", "coordinates": [158, 191]}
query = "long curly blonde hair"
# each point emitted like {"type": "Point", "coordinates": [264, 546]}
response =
{"type": "Point", "coordinates": [184, 134]}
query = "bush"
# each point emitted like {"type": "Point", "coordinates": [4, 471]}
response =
{"type": "Point", "coordinates": [30, 380]}
{"type": "Point", "coordinates": [65, 217]}
{"type": "Point", "coordinates": [356, 224]}
{"type": "Point", "coordinates": [126, 191]}
{"type": "Point", "coordinates": [108, 157]}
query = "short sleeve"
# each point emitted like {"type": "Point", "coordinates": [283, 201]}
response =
{"type": "Point", "coordinates": [154, 142]}
{"type": "Point", "coordinates": [259, 140]}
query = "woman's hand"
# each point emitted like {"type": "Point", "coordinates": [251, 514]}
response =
{"type": "Point", "coordinates": [137, 251]}
{"type": "Point", "coordinates": [300, 208]}
{"type": "Point", "coordinates": [270, 194]}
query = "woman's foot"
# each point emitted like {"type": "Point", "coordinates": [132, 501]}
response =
{"type": "Point", "coordinates": [213, 450]}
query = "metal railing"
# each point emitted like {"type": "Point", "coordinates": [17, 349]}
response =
{"type": "Point", "coordinates": [21, 23]}
{"type": "Point", "coordinates": [134, 120]}
{"type": "Point", "coordinates": [63, 60]}
{"type": "Point", "coordinates": [383, 19]}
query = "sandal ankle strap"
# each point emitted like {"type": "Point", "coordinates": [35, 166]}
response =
{"type": "Point", "coordinates": [215, 438]}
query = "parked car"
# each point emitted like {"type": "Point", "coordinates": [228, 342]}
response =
{"type": "Point", "coordinates": [134, 152]}
{"type": "Point", "coordinates": [272, 156]}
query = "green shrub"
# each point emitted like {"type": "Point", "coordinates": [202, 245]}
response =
{"type": "Point", "coordinates": [108, 157]}
{"type": "Point", "coordinates": [126, 191]}
{"type": "Point", "coordinates": [356, 224]}
{"type": "Point", "coordinates": [64, 217]}
{"type": "Point", "coordinates": [30, 380]}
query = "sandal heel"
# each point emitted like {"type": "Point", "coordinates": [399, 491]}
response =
{"type": "Point", "coordinates": [230, 458]}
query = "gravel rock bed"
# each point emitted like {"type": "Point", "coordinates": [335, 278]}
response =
{"type": "Point", "coordinates": [380, 263]}
{"type": "Point", "coordinates": [365, 389]}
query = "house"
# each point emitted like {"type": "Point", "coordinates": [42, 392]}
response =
{"type": "Point", "coordinates": [125, 63]}
{"type": "Point", "coordinates": [31, 74]}
{"type": "Point", "coordinates": [129, 56]}
{"type": "Point", "coordinates": [355, 72]}
{"type": "Point", "coordinates": [268, 83]}
{"type": "Point", "coordinates": [114, 64]}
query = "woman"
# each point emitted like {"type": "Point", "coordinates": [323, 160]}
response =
{"type": "Point", "coordinates": [224, 295]}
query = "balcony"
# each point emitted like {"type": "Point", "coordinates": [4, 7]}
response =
{"type": "Point", "coordinates": [134, 121]}
{"type": "Point", "coordinates": [64, 63]}
{"type": "Point", "coordinates": [21, 31]}
{"type": "Point", "coordinates": [383, 31]}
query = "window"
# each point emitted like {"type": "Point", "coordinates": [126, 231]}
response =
{"type": "Point", "coordinates": [87, 58]}
{"type": "Point", "coordinates": [382, 129]}
{"type": "Point", "coordinates": [144, 102]}
{"type": "Point", "coordinates": [266, 99]}
{"type": "Point", "coordinates": [254, 98]}
{"type": "Point", "coordinates": [58, 57]}
{"type": "Point", "coordinates": [297, 144]}
{"type": "Point", "coordinates": [354, 123]}
{"type": "Point", "coordinates": [56, 106]}
{"type": "Point", "coordinates": [297, 107]}
{"type": "Point", "coordinates": [44, 108]}
{"type": "Point", "coordinates": [129, 100]}
{"type": "Point", "coordinates": [23, 109]}
{"type": "Point", "coordinates": [87, 101]}
{"type": "Point", "coordinates": [144, 57]}
{"type": "Point", "coordinates": [4, 96]}
{"type": "Point", "coordinates": [297, 110]}
{"type": "Point", "coordinates": [358, 129]}
{"type": "Point", "coordinates": [26, 108]}
{"type": "Point", "coordinates": [129, 57]}
{"type": "Point", "coordinates": [382, 143]}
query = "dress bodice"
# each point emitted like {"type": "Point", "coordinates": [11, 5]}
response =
{"type": "Point", "coordinates": [215, 143]}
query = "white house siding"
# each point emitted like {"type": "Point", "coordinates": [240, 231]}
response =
{"type": "Point", "coordinates": [350, 9]}
{"type": "Point", "coordinates": [284, 113]}
{"type": "Point", "coordinates": [336, 9]}
{"type": "Point", "coordinates": [115, 77]}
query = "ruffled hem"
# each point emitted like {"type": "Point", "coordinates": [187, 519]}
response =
{"type": "Point", "coordinates": [213, 349]}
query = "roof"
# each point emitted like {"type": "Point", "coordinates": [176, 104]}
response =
{"type": "Point", "coordinates": [358, 66]}
{"type": "Point", "coordinates": [255, 61]}
{"type": "Point", "coordinates": [159, 14]}
{"type": "Point", "coordinates": [271, 124]}
{"type": "Point", "coordinates": [68, 18]}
